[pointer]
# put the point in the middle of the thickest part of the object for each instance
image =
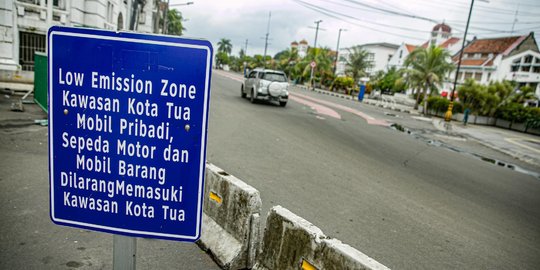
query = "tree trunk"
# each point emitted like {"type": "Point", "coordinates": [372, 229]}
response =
{"type": "Point", "coordinates": [424, 98]}
{"type": "Point", "coordinates": [417, 99]}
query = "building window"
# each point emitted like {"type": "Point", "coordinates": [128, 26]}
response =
{"type": "Point", "coordinates": [390, 57]}
{"type": "Point", "coordinates": [488, 76]}
{"type": "Point", "coordinates": [477, 55]}
{"type": "Point", "coordinates": [110, 12]}
{"type": "Point", "coordinates": [477, 76]}
{"type": "Point", "coordinates": [515, 68]}
{"type": "Point", "coordinates": [536, 69]}
{"type": "Point", "coordinates": [370, 56]}
{"type": "Point", "coordinates": [468, 75]}
{"type": "Point", "coordinates": [528, 59]}
{"type": "Point", "coordinates": [400, 54]}
{"type": "Point", "coordinates": [525, 68]}
{"type": "Point", "coordinates": [29, 44]}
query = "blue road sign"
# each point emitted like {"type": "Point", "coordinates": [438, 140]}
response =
{"type": "Point", "coordinates": [128, 117]}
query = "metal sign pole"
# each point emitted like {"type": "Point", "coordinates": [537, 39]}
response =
{"type": "Point", "coordinates": [124, 252]}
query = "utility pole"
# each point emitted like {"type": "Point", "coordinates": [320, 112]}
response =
{"type": "Point", "coordinates": [266, 38]}
{"type": "Point", "coordinates": [314, 46]}
{"type": "Point", "coordinates": [316, 33]}
{"type": "Point", "coordinates": [244, 60]}
{"type": "Point", "coordinates": [337, 49]}
{"type": "Point", "coordinates": [515, 19]}
{"type": "Point", "coordinates": [448, 114]}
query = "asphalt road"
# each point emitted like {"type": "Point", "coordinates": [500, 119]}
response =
{"type": "Point", "coordinates": [402, 201]}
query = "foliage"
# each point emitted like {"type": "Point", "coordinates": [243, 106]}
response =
{"type": "Point", "coordinates": [517, 113]}
{"type": "Point", "coordinates": [523, 94]}
{"type": "Point", "coordinates": [357, 63]}
{"type": "Point", "coordinates": [222, 59]}
{"type": "Point", "coordinates": [427, 67]}
{"type": "Point", "coordinates": [440, 104]}
{"type": "Point", "coordinates": [342, 83]}
{"type": "Point", "coordinates": [174, 23]}
{"type": "Point", "coordinates": [484, 100]}
{"type": "Point", "coordinates": [389, 81]}
{"type": "Point", "coordinates": [225, 46]}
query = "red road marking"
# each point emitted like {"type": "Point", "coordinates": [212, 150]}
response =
{"type": "Point", "coordinates": [317, 107]}
{"type": "Point", "coordinates": [370, 120]}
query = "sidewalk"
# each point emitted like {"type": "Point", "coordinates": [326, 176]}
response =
{"type": "Point", "coordinates": [29, 239]}
{"type": "Point", "coordinates": [522, 146]}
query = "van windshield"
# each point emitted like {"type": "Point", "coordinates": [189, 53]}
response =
{"type": "Point", "coordinates": [274, 77]}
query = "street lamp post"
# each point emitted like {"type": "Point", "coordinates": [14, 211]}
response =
{"type": "Point", "coordinates": [337, 49]}
{"type": "Point", "coordinates": [166, 14]}
{"type": "Point", "coordinates": [448, 114]}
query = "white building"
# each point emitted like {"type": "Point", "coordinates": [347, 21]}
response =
{"type": "Point", "coordinates": [441, 36]}
{"type": "Point", "coordinates": [301, 47]}
{"type": "Point", "coordinates": [514, 58]}
{"type": "Point", "coordinates": [24, 24]}
{"type": "Point", "coordinates": [378, 53]}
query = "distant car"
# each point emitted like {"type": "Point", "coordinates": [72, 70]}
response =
{"type": "Point", "coordinates": [266, 84]}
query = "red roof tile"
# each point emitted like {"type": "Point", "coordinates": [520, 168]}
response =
{"type": "Point", "coordinates": [493, 45]}
{"type": "Point", "coordinates": [449, 42]}
{"type": "Point", "coordinates": [410, 47]}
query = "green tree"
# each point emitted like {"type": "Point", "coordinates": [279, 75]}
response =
{"type": "Point", "coordinates": [222, 59]}
{"type": "Point", "coordinates": [174, 23]}
{"type": "Point", "coordinates": [357, 63]}
{"type": "Point", "coordinates": [523, 94]}
{"type": "Point", "coordinates": [428, 67]}
{"type": "Point", "coordinates": [286, 60]}
{"type": "Point", "coordinates": [389, 81]}
{"type": "Point", "coordinates": [323, 72]}
{"type": "Point", "coordinates": [224, 45]}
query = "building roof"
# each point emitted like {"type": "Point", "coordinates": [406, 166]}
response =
{"type": "Point", "coordinates": [294, 43]}
{"type": "Point", "coordinates": [382, 44]}
{"type": "Point", "coordinates": [449, 42]}
{"type": "Point", "coordinates": [477, 62]}
{"type": "Point", "coordinates": [303, 41]}
{"type": "Point", "coordinates": [442, 27]}
{"type": "Point", "coordinates": [410, 47]}
{"type": "Point", "coordinates": [493, 45]}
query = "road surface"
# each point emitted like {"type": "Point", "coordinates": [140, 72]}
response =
{"type": "Point", "coordinates": [401, 200]}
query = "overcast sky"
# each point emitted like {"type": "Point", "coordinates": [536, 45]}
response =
{"type": "Point", "coordinates": [366, 21]}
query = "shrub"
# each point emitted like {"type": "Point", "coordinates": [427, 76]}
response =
{"type": "Point", "coordinates": [438, 104]}
{"type": "Point", "coordinates": [516, 113]}
{"type": "Point", "coordinates": [342, 83]}
{"type": "Point", "coordinates": [458, 107]}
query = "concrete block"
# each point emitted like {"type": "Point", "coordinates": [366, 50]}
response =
{"type": "Point", "coordinates": [231, 220]}
{"type": "Point", "coordinates": [291, 242]}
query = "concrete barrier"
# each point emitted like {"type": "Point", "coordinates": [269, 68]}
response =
{"type": "Point", "coordinates": [231, 220]}
{"type": "Point", "coordinates": [291, 242]}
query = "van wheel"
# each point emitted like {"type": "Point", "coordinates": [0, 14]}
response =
{"type": "Point", "coordinates": [283, 103]}
{"type": "Point", "coordinates": [242, 94]}
{"type": "Point", "coordinates": [252, 97]}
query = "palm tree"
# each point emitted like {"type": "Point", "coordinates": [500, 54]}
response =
{"type": "Point", "coordinates": [323, 72]}
{"type": "Point", "coordinates": [224, 45]}
{"type": "Point", "coordinates": [287, 59]}
{"type": "Point", "coordinates": [523, 94]}
{"type": "Point", "coordinates": [428, 66]}
{"type": "Point", "coordinates": [357, 63]}
{"type": "Point", "coordinates": [174, 24]}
